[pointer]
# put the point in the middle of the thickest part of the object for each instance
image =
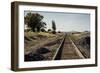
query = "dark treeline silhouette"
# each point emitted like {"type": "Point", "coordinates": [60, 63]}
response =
{"type": "Point", "coordinates": [34, 21]}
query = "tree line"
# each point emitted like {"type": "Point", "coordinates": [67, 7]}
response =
{"type": "Point", "coordinates": [35, 22]}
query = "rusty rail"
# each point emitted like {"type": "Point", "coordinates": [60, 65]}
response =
{"type": "Point", "coordinates": [57, 55]}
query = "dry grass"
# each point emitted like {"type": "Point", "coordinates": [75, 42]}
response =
{"type": "Point", "coordinates": [35, 34]}
{"type": "Point", "coordinates": [35, 40]}
{"type": "Point", "coordinates": [79, 40]}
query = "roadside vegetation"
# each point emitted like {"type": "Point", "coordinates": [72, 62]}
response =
{"type": "Point", "coordinates": [82, 40]}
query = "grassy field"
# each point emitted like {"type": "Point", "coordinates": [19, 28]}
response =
{"type": "Point", "coordinates": [34, 38]}
{"type": "Point", "coordinates": [82, 41]}
{"type": "Point", "coordinates": [34, 41]}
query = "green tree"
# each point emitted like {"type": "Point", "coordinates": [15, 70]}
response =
{"type": "Point", "coordinates": [53, 27]}
{"type": "Point", "coordinates": [34, 21]}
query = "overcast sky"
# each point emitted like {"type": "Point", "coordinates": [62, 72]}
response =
{"type": "Point", "coordinates": [66, 21]}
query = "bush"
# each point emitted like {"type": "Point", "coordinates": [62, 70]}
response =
{"type": "Point", "coordinates": [54, 32]}
{"type": "Point", "coordinates": [59, 31]}
{"type": "Point", "coordinates": [42, 50]}
{"type": "Point", "coordinates": [33, 57]}
{"type": "Point", "coordinates": [43, 30]}
{"type": "Point", "coordinates": [49, 30]}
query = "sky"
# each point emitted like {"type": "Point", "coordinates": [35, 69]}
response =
{"type": "Point", "coordinates": [66, 21]}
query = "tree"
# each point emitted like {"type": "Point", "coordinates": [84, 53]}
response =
{"type": "Point", "coordinates": [53, 27]}
{"type": "Point", "coordinates": [34, 21]}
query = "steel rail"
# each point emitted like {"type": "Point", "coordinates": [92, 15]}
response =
{"type": "Point", "coordinates": [57, 55]}
{"type": "Point", "coordinates": [77, 50]}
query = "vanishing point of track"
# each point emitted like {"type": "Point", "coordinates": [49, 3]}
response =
{"type": "Point", "coordinates": [67, 50]}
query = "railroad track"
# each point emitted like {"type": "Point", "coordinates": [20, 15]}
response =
{"type": "Point", "coordinates": [67, 50]}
